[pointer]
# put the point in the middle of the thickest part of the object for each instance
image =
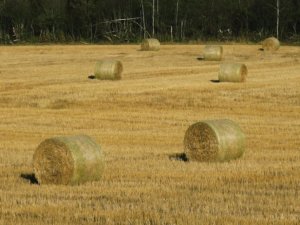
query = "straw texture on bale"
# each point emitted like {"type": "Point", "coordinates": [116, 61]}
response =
{"type": "Point", "coordinates": [108, 70]}
{"type": "Point", "coordinates": [214, 141]}
{"type": "Point", "coordinates": [271, 44]}
{"type": "Point", "coordinates": [150, 44]}
{"type": "Point", "coordinates": [213, 53]}
{"type": "Point", "coordinates": [68, 160]}
{"type": "Point", "coordinates": [233, 72]}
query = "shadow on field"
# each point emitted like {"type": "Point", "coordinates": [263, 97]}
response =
{"type": "Point", "coordinates": [215, 81]}
{"type": "Point", "coordinates": [201, 58]}
{"type": "Point", "coordinates": [179, 157]}
{"type": "Point", "coordinates": [92, 77]}
{"type": "Point", "coordinates": [29, 177]}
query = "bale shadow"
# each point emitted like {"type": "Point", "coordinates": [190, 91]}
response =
{"type": "Point", "coordinates": [92, 77]}
{"type": "Point", "coordinates": [261, 49]}
{"type": "Point", "coordinates": [215, 81]}
{"type": "Point", "coordinates": [179, 157]}
{"type": "Point", "coordinates": [201, 58]}
{"type": "Point", "coordinates": [29, 177]}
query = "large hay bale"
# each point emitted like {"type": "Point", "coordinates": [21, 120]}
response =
{"type": "Point", "coordinates": [233, 72]}
{"type": "Point", "coordinates": [68, 160]}
{"type": "Point", "coordinates": [150, 44]}
{"type": "Point", "coordinates": [213, 53]}
{"type": "Point", "coordinates": [108, 70]}
{"type": "Point", "coordinates": [214, 141]}
{"type": "Point", "coordinates": [271, 44]}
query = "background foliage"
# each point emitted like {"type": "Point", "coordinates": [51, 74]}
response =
{"type": "Point", "coordinates": [121, 21]}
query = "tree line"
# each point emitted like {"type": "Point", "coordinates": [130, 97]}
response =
{"type": "Point", "coordinates": [120, 21]}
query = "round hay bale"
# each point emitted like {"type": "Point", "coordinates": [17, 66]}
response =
{"type": "Point", "coordinates": [271, 44]}
{"type": "Point", "coordinates": [150, 44]}
{"type": "Point", "coordinates": [108, 70]}
{"type": "Point", "coordinates": [214, 141]}
{"type": "Point", "coordinates": [68, 160]}
{"type": "Point", "coordinates": [233, 72]}
{"type": "Point", "coordinates": [213, 53]}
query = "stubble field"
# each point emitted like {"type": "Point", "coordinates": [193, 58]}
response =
{"type": "Point", "coordinates": [140, 123]}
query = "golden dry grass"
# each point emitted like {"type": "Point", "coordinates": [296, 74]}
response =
{"type": "Point", "coordinates": [140, 123]}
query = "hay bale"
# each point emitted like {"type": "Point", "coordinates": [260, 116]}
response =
{"type": "Point", "coordinates": [213, 53]}
{"type": "Point", "coordinates": [271, 44]}
{"type": "Point", "coordinates": [150, 44]}
{"type": "Point", "coordinates": [108, 70]}
{"type": "Point", "coordinates": [214, 141]}
{"type": "Point", "coordinates": [68, 160]}
{"type": "Point", "coordinates": [233, 72]}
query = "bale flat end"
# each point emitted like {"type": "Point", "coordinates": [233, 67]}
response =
{"type": "Point", "coordinates": [200, 143]}
{"type": "Point", "coordinates": [53, 163]}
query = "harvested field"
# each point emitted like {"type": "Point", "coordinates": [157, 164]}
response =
{"type": "Point", "coordinates": [140, 122]}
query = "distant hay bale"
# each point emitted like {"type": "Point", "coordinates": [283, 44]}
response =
{"type": "Point", "coordinates": [213, 53]}
{"type": "Point", "coordinates": [68, 160]}
{"type": "Point", "coordinates": [233, 72]}
{"type": "Point", "coordinates": [150, 44]}
{"type": "Point", "coordinates": [108, 70]}
{"type": "Point", "coordinates": [271, 44]}
{"type": "Point", "coordinates": [214, 141]}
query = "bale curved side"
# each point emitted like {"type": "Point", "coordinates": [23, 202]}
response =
{"type": "Point", "coordinates": [271, 44]}
{"type": "Point", "coordinates": [233, 72]}
{"type": "Point", "coordinates": [214, 141]}
{"type": "Point", "coordinates": [108, 70]}
{"type": "Point", "coordinates": [213, 53]}
{"type": "Point", "coordinates": [68, 160]}
{"type": "Point", "coordinates": [150, 44]}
